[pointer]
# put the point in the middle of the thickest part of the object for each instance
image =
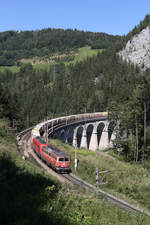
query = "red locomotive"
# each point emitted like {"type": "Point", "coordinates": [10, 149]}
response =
{"type": "Point", "coordinates": [53, 157]}
{"type": "Point", "coordinates": [38, 144]}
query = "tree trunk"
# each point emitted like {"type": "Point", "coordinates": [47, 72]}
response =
{"type": "Point", "coordinates": [144, 132]}
{"type": "Point", "coordinates": [137, 140]}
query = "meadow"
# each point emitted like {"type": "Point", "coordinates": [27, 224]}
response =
{"type": "Point", "coordinates": [44, 63]}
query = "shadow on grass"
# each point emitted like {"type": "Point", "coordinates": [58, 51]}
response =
{"type": "Point", "coordinates": [22, 197]}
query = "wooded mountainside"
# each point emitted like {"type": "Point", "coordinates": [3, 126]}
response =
{"type": "Point", "coordinates": [26, 44]}
{"type": "Point", "coordinates": [99, 83]}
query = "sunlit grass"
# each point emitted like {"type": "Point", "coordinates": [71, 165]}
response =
{"type": "Point", "coordinates": [73, 56]}
{"type": "Point", "coordinates": [13, 69]}
{"type": "Point", "coordinates": [24, 188]}
{"type": "Point", "coordinates": [45, 66]}
{"type": "Point", "coordinates": [85, 52]}
{"type": "Point", "coordinates": [127, 181]}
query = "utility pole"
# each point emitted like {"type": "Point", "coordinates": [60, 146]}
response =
{"type": "Point", "coordinates": [75, 159]}
{"type": "Point", "coordinates": [47, 130]}
{"type": "Point", "coordinates": [54, 73]}
{"type": "Point", "coordinates": [97, 178]}
{"type": "Point", "coordinates": [137, 140]}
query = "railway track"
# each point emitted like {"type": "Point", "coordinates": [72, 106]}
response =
{"type": "Point", "coordinates": [77, 181]}
{"type": "Point", "coordinates": [120, 203]}
{"type": "Point", "coordinates": [24, 140]}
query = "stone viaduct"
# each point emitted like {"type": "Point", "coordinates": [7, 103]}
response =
{"type": "Point", "coordinates": [89, 131]}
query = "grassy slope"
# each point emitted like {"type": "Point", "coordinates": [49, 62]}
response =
{"type": "Point", "coordinates": [14, 69]}
{"type": "Point", "coordinates": [126, 181]}
{"type": "Point", "coordinates": [30, 196]}
{"type": "Point", "coordinates": [82, 54]}
{"type": "Point", "coordinates": [85, 52]}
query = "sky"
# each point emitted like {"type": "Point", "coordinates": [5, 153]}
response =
{"type": "Point", "coordinates": [116, 17]}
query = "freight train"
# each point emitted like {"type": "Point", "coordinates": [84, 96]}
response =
{"type": "Point", "coordinates": [52, 124]}
{"type": "Point", "coordinates": [55, 158]}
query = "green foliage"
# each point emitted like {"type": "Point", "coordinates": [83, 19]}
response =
{"type": "Point", "coordinates": [85, 52]}
{"type": "Point", "coordinates": [142, 25]}
{"type": "Point", "coordinates": [27, 44]}
{"type": "Point", "coordinates": [101, 82]}
{"type": "Point", "coordinates": [134, 118]}
{"type": "Point", "coordinates": [65, 147]}
{"type": "Point", "coordinates": [22, 194]}
{"type": "Point", "coordinates": [126, 181]}
{"type": "Point", "coordinates": [5, 134]}
{"type": "Point", "coordinates": [135, 31]}
{"type": "Point", "coordinates": [13, 69]}
{"type": "Point", "coordinates": [98, 83]}
{"type": "Point", "coordinates": [87, 86]}
{"type": "Point", "coordinates": [30, 197]}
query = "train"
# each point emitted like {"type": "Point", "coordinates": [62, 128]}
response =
{"type": "Point", "coordinates": [52, 124]}
{"type": "Point", "coordinates": [53, 157]}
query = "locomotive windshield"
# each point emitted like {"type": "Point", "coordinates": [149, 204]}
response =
{"type": "Point", "coordinates": [66, 159]}
{"type": "Point", "coordinates": [63, 159]}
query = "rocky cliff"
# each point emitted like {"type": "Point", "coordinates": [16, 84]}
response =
{"type": "Point", "coordinates": [137, 50]}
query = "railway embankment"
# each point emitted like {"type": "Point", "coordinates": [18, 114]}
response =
{"type": "Point", "coordinates": [31, 195]}
{"type": "Point", "coordinates": [126, 181]}
{"type": "Point", "coordinates": [28, 194]}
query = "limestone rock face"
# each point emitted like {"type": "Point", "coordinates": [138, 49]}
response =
{"type": "Point", "coordinates": [137, 50]}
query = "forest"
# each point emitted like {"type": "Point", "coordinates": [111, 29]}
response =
{"type": "Point", "coordinates": [100, 83]}
{"type": "Point", "coordinates": [16, 45]}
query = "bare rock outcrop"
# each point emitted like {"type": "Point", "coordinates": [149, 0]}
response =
{"type": "Point", "coordinates": [137, 50]}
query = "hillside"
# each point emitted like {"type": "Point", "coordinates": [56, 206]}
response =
{"type": "Point", "coordinates": [137, 48]}
{"type": "Point", "coordinates": [67, 58]}
{"type": "Point", "coordinates": [15, 46]}
{"type": "Point", "coordinates": [102, 82]}
{"type": "Point", "coordinates": [121, 179]}
{"type": "Point", "coordinates": [31, 196]}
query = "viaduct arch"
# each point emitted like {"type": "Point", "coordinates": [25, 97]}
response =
{"type": "Point", "coordinates": [90, 135]}
{"type": "Point", "coordinates": [89, 131]}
